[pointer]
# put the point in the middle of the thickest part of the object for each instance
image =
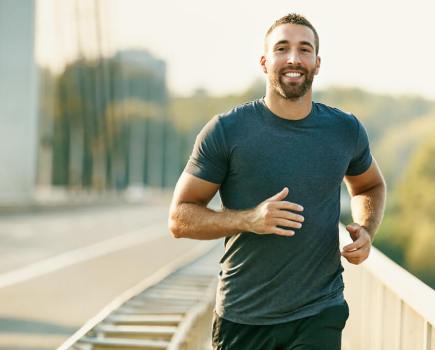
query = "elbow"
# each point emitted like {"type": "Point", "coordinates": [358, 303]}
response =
{"type": "Point", "coordinates": [174, 226]}
{"type": "Point", "coordinates": [384, 185]}
{"type": "Point", "coordinates": [174, 229]}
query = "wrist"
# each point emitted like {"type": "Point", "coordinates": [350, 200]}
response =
{"type": "Point", "coordinates": [369, 232]}
{"type": "Point", "coordinates": [245, 220]}
{"type": "Point", "coordinates": [237, 220]}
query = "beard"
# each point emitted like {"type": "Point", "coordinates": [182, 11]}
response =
{"type": "Point", "coordinates": [292, 91]}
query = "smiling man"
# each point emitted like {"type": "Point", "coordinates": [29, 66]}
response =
{"type": "Point", "coordinates": [278, 163]}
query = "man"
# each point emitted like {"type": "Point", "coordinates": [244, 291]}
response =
{"type": "Point", "coordinates": [278, 163]}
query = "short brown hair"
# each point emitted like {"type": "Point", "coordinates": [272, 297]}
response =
{"type": "Point", "coordinates": [294, 18]}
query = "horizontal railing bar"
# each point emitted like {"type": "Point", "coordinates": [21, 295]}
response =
{"type": "Point", "coordinates": [170, 309]}
{"type": "Point", "coordinates": [145, 318]}
{"type": "Point", "coordinates": [176, 290]}
{"type": "Point", "coordinates": [162, 301]}
{"type": "Point", "coordinates": [129, 343]}
{"type": "Point", "coordinates": [150, 329]}
{"type": "Point", "coordinates": [169, 294]}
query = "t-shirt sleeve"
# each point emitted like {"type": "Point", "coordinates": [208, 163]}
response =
{"type": "Point", "coordinates": [361, 158]}
{"type": "Point", "coordinates": [209, 160]}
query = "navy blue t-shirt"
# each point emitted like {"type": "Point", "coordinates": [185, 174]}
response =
{"type": "Point", "coordinates": [253, 154]}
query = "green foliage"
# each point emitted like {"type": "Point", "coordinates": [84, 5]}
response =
{"type": "Point", "coordinates": [391, 238]}
{"type": "Point", "coordinates": [411, 226]}
{"type": "Point", "coordinates": [417, 190]}
{"type": "Point", "coordinates": [398, 144]}
{"type": "Point", "coordinates": [419, 256]}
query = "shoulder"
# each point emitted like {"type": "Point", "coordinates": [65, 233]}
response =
{"type": "Point", "coordinates": [338, 116]}
{"type": "Point", "coordinates": [228, 124]}
{"type": "Point", "coordinates": [334, 112]}
{"type": "Point", "coordinates": [237, 114]}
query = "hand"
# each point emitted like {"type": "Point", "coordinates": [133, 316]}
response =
{"type": "Point", "coordinates": [273, 212]}
{"type": "Point", "coordinates": [359, 250]}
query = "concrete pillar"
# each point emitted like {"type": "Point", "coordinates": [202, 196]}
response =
{"type": "Point", "coordinates": [18, 101]}
{"type": "Point", "coordinates": [136, 153]}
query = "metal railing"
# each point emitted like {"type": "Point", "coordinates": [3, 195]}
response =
{"type": "Point", "coordinates": [171, 310]}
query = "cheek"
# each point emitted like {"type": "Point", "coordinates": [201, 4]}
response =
{"type": "Point", "coordinates": [311, 65]}
{"type": "Point", "coordinates": [273, 64]}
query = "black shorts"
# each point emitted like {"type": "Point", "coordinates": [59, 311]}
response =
{"type": "Point", "coordinates": [318, 332]}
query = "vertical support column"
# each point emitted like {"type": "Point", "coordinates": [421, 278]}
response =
{"type": "Point", "coordinates": [18, 101]}
{"type": "Point", "coordinates": [155, 154]}
{"type": "Point", "coordinates": [137, 150]}
{"type": "Point", "coordinates": [427, 341]}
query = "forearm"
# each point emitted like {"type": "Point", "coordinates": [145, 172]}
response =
{"type": "Point", "coordinates": [368, 208]}
{"type": "Point", "coordinates": [196, 221]}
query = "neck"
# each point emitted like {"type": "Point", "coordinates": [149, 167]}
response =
{"type": "Point", "coordinates": [288, 109]}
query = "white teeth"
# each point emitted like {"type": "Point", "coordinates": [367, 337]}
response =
{"type": "Point", "coordinates": [293, 75]}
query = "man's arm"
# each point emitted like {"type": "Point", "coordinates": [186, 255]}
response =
{"type": "Point", "coordinates": [368, 193]}
{"type": "Point", "coordinates": [189, 216]}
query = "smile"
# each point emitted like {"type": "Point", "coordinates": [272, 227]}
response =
{"type": "Point", "coordinates": [293, 74]}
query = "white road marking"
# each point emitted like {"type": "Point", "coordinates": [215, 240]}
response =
{"type": "Point", "coordinates": [81, 254]}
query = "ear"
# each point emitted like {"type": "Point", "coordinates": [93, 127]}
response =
{"type": "Point", "coordinates": [263, 64]}
{"type": "Point", "coordinates": [317, 65]}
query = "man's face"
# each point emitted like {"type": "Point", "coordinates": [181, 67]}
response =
{"type": "Point", "coordinates": [290, 60]}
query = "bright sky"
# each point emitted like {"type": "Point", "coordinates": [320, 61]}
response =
{"type": "Point", "coordinates": [380, 45]}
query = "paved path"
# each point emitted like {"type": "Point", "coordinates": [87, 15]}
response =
{"type": "Point", "coordinates": [58, 269]}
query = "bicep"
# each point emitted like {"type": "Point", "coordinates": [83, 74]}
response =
{"type": "Point", "coordinates": [360, 183]}
{"type": "Point", "coordinates": [192, 189]}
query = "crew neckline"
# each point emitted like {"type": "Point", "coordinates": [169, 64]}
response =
{"type": "Point", "coordinates": [283, 121]}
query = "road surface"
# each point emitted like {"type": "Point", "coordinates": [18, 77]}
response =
{"type": "Point", "coordinates": [58, 269]}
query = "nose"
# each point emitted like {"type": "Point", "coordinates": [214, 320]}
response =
{"type": "Point", "coordinates": [293, 57]}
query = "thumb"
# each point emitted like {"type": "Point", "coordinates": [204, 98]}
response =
{"type": "Point", "coordinates": [279, 196]}
{"type": "Point", "coordinates": [353, 229]}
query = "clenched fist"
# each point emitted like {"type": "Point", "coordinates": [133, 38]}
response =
{"type": "Point", "coordinates": [359, 250]}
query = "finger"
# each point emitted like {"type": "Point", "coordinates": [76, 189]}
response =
{"type": "Point", "coordinates": [354, 231]}
{"type": "Point", "coordinates": [279, 196]}
{"type": "Point", "coordinates": [354, 235]}
{"type": "Point", "coordinates": [350, 247]}
{"type": "Point", "coordinates": [359, 243]}
{"type": "Point", "coordinates": [284, 214]}
{"type": "Point", "coordinates": [356, 261]}
{"type": "Point", "coordinates": [287, 223]}
{"type": "Point", "coordinates": [353, 227]}
{"type": "Point", "coordinates": [355, 246]}
{"type": "Point", "coordinates": [288, 205]}
{"type": "Point", "coordinates": [353, 254]}
{"type": "Point", "coordinates": [283, 232]}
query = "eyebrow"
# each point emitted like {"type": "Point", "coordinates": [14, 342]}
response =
{"type": "Point", "coordinates": [300, 42]}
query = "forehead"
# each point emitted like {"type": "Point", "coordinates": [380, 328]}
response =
{"type": "Point", "coordinates": [292, 33]}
